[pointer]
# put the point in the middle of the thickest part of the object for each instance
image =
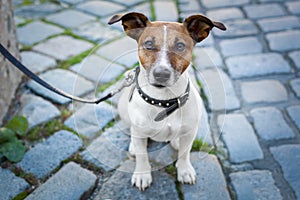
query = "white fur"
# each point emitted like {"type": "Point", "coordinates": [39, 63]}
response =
{"type": "Point", "coordinates": [180, 127]}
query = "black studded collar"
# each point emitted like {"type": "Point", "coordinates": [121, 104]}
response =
{"type": "Point", "coordinates": [171, 104]}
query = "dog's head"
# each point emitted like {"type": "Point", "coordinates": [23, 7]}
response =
{"type": "Point", "coordinates": [165, 48]}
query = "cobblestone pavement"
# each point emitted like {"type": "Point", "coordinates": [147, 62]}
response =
{"type": "Point", "coordinates": [250, 82]}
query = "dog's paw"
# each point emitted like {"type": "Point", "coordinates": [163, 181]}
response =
{"type": "Point", "coordinates": [186, 173]}
{"type": "Point", "coordinates": [141, 180]}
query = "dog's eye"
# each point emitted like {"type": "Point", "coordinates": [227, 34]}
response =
{"type": "Point", "coordinates": [149, 45]}
{"type": "Point", "coordinates": [180, 46]}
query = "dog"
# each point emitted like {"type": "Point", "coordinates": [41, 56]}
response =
{"type": "Point", "coordinates": [163, 104]}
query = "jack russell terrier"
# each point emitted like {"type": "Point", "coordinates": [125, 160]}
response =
{"type": "Point", "coordinates": [163, 104]}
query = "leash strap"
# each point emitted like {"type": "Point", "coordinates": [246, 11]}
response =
{"type": "Point", "coordinates": [127, 81]}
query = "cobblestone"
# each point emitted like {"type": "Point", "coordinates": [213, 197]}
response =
{"type": "Point", "coordinates": [255, 184]}
{"type": "Point", "coordinates": [37, 110]}
{"type": "Point", "coordinates": [284, 41]}
{"type": "Point", "coordinates": [165, 11]}
{"type": "Point", "coordinates": [37, 11]}
{"type": "Point", "coordinates": [43, 158]}
{"type": "Point", "coordinates": [295, 56]}
{"type": "Point", "coordinates": [70, 83]}
{"type": "Point", "coordinates": [119, 186]}
{"type": "Point", "coordinates": [259, 11]}
{"type": "Point", "coordinates": [224, 14]}
{"type": "Point", "coordinates": [239, 138]}
{"type": "Point", "coordinates": [63, 47]}
{"type": "Point", "coordinates": [294, 7]}
{"type": "Point", "coordinates": [247, 45]}
{"type": "Point", "coordinates": [207, 57]}
{"type": "Point", "coordinates": [219, 90]}
{"type": "Point", "coordinates": [295, 84]}
{"type": "Point", "coordinates": [236, 28]}
{"type": "Point", "coordinates": [124, 51]}
{"type": "Point", "coordinates": [270, 124]}
{"type": "Point", "coordinates": [257, 65]}
{"type": "Point", "coordinates": [263, 91]}
{"type": "Point", "coordinates": [90, 119]}
{"type": "Point", "coordinates": [70, 182]}
{"type": "Point", "coordinates": [37, 62]}
{"type": "Point", "coordinates": [209, 173]}
{"type": "Point", "coordinates": [279, 23]}
{"type": "Point", "coordinates": [98, 69]}
{"type": "Point", "coordinates": [36, 32]}
{"type": "Point", "coordinates": [223, 3]}
{"type": "Point", "coordinates": [100, 8]}
{"type": "Point", "coordinates": [288, 158]}
{"type": "Point", "coordinates": [10, 184]}
{"type": "Point", "coordinates": [70, 18]}
{"type": "Point", "coordinates": [293, 112]}
{"type": "Point", "coordinates": [108, 150]}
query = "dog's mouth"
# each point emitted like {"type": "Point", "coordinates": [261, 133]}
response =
{"type": "Point", "coordinates": [158, 85]}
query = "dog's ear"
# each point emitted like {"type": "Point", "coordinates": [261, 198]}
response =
{"type": "Point", "coordinates": [133, 23]}
{"type": "Point", "coordinates": [199, 26]}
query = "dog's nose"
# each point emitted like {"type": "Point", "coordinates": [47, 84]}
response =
{"type": "Point", "coordinates": [161, 74]}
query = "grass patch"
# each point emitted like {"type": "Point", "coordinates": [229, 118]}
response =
{"type": "Point", "coordinates": [152, 10]}
{"type": "Point", "coordinates": [74, 60]}
{"type": "Point", "coordinates": [46, 130]}
{"type": "Point", "coordinates": [200, 145]}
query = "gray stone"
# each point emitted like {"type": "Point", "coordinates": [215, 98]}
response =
{"type": "Point", "coordinates": [110, 149]}
{"type": "Point", "coordinates": [204, 131]}
{"type": "Point", "coordinates": [98, 69]}
{"type": "Point", "coordinates": [284, 41]}
{"type": "Point", "coordinates": [119, 186]}
{"type": "Point", "coordinates": [37, 10]}
{"type": "Point", "coordinates": [223, 3]}
{"type": "Point", "coordinates": [247, 45]}
{"type": "Point", "coordinates": [295, 84]}
{"type": "Point", "coordinates": [255, 184]}
{"type": "Point", "coordinates": [219, 90]}
{"type": "Point", "coordinates": [288, 158]}
{"type": "Point", "coordinates": [165, 11]}
{"type": "Point", "coordinates": [100, 8]}
{"type": "Point", "coordinates": [65, 80]}
{"type": "Point", "coordinates": [70, 182]}
{"type": "Point", "coordinates": [72, 2]}
{"type": "Point", "coordinates": [263, 91]}
{"type": "Point", "coordinates": [294, 7]}
{"type": "Point", "coordinates": [70, 18]}
{"type": "Point", "coordinates": [293, 112]}
{"type": "Point", "coordinates": [223, 14]}
{"type": "Point", "coordinates": [209, 41]}
{"type": "Point", "coordinates": [207, 57]}
{"type": "Point", "coordinates": [259, 11]}
{"type": "Point", "coordinates": [128, 2]}
{"type": "Point", "coordinates": [123, 51]}
{"type": "Point", "coordinates": [19, 20]}
{"type": "Point", "coordinates": [279, 23]}
{"type": "Point", "coordinates": [36, 32]}
{"type": "Point", "coordinates": [270, 124]}
{"type": "Point", "coordinates": [10, 185]}
{"type": "Point", "coordinates": [63, 47]}
{"type": "Point", "coordinates": [209, 173]}
{"type": "Point", "coordinates": [190, 6]}
{"type": "Point", "coordinates": [90, 119]}
{"type": "Point", "coordinates": [37, 110]}
{"type": "Point", "coordinates": [97, 32]}
{"type": "Point", "coordinates": [295, 56]}
{"type": "Point", "coordinates": [37, 62]}
{"type": "Point", "coordinates": [142, 8]}
{"type": "Point", "coordinates": [44, 157]}
{"type": "Point", "coordinates": [237, 28]}
{"type": "Point", "coordinates": [240, 138]}
{"type": "Point", "coordinates": [257, 65]}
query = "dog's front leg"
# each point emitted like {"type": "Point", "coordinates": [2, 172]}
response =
{"type": "Point", "coordinates": [141, 177]}
{"type": "Point", "coordinates": [185, 170]}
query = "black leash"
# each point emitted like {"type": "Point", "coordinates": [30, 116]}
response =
{"type": "Point", "coordinates": [127, 81]}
